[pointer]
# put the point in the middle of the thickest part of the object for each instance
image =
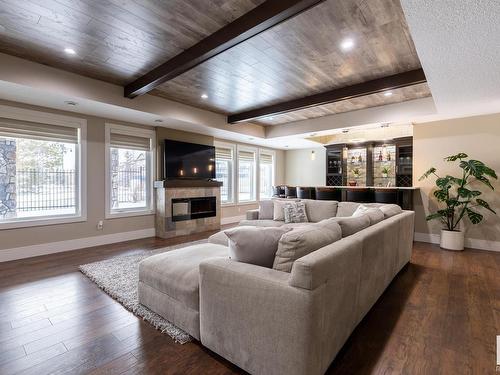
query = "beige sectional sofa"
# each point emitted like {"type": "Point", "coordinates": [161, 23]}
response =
{"type": "Point", "coordinates": [268, 321]}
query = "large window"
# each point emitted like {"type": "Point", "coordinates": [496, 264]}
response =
{"type": "Point", "coordinates": [224, 167]}
{"type": "Point", "coordinates": [266, 170]}
{"type": "Point", "coordinates": [246, 175]}
{"type": "Point", "coordinates": [40, 170]}
{"type": "Point", "coordinates": [129, 170]}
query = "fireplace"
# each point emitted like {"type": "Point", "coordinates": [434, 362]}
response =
{"type": "Point", "coordinates": [193, 208]}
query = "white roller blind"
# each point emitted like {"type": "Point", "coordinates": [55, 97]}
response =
{"type": "Point", "coordinates": [130, 142]}
{"type": "Point", "coordinates": [223, 153]}
{"type": "Point", "coordinates": [42, 132]}
{"type": "Point", "coordinates": [246, 156]}
{"type": "Point", "coordinates": [266, 158]}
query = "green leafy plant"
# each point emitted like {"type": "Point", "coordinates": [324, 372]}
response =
{"type": "Point", "coordinates": [385, 170]}
{"type": "Point", "coordinates": [459, 197]}
{"type": "Point", "coordinates": [356, 172]}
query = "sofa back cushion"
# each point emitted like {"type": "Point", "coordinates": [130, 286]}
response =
{"type": "Point", "coordinates": [254, 245]}
{"type": "Point", "coordinates": [266, 210]}
{"type": "Point", "coordinates": [320, 210]}
{"type": "Point", "coordinates": [295, 212]}
{"type": "Point", "coordinates": [304, 240]}
{"type": "Point", "coordinates": [346, 208]}
{"type": "Point", "coordinates": [352, 224]}
{"type": "Point", "coordinates": [374, 214]}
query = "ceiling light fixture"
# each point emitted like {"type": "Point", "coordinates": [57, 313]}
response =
{"type": "Point", "coordinates": [347, 44]}
{"type": "Point", "coordinates": [345, 131]}
{"type": "Point", "coordinates": [204, 96]}
{"type": "Point", "coordinates": [70, 102]}
{"type": "Point", "coordinates": [388, 93]}
{"type": "Point", "coordinates": [386, 125]}
{"type": "Point", "coordinates": [70, 51]}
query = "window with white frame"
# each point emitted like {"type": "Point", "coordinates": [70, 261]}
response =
{"type": "Point", "coordinates": [266, 173]}
{"type": "Point", "coordinates": [129, 169]}
{"type": "Point", "coordinates": [224, 171]}
{"type": "Point", "coordinates": [247, 176]}
{"type": "Point", "coordinates": [40, 169]}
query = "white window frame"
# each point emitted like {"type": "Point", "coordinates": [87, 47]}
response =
{"type": "Point", "coordinates": [256, 181]}
{"type": "Point", "coordinates": [22, 114]}
{"type": "Point", "coordinates": [273, 179]}
{"type": "Point", "coordinates": [233, 147]}
{"type": "Point", "coordinates": [150, 164]}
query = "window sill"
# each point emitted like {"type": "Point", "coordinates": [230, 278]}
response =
{"type": "Point", "coordinates": [131, 213]}
{"type": "Point", "coordinates": [246, 203]}
{"type": "Point", "coordinates": [42, 221]}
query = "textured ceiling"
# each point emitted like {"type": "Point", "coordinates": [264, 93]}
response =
{"type": "Point", "coordinates": [458, 42]}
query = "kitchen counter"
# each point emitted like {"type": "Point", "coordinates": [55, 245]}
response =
{"type": "Point", "coordinates": [376, 187]}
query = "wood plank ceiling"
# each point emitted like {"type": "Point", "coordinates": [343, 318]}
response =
{"type": "Point", "coordinates": [119, 40]}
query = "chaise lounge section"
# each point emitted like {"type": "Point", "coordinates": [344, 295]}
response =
{"type": "Point", "coordinates": [273, 322]}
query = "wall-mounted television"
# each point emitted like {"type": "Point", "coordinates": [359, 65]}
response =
{"type": "Point", "coordinates": [183, 160]}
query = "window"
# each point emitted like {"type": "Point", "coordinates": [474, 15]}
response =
{"type": "Point", "coordinates": [40, 168]}
{"type": "Point", "coordinates": [129, 169]}
{"type": "Point", "coordinates": [266, 165]}
{"type": "Point", "coordinates": [224, 171]}
{"type": "Point", "coordinates": [246, 175]}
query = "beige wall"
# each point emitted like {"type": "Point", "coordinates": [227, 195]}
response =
{"type": "Point", "coordinates": [479, 137]}
{"type": "Point", "coordinates": [11, 238]}
{"type": "Point", "coordinates": [300, 170]}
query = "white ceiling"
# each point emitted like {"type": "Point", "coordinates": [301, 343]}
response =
{"type": "Point", "coordinates": [458, 43]}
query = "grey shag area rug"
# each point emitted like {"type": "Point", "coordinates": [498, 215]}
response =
{"type": "Point", "coordinates": [119, 277]}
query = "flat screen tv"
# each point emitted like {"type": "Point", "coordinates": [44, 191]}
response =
{"type": "Point", "coordinates": [183, 160]}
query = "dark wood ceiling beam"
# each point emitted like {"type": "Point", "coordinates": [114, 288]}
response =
{"type": "Point", "coordinates": [393, 82]}
{"type": "Point", "coordinates": [259, 19]}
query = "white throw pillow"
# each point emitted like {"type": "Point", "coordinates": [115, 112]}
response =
{"type": "Point", "coordinates": [295, 212]}
{"type": "Point", "coordinates": [266, 210]}
{"type": "Point", "coordinates": [374, 214]}
{"type": "Point", "coordinates": [279, 210]}
{"type": "Point", "coordinates": [254, 245]}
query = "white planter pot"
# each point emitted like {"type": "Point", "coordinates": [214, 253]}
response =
{"type": "Point", "coordinates": [452, 240]}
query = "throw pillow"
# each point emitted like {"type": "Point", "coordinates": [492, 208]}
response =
{"type": "Point", "coordinates": [374, 214]}
{"type": "Point", "coordinates": [254, 245]}
{"type": "Point", "coordinates": [390, 210]}
{"type": "Point", "coordinates": [353, 224]}
{"type": "Point", "coordinates": [278, 209]}
{"type": "Point", "coordinates": [304, 240]}
{"type": "Point", "coordinates": [219, 238]}
{"type": "Point", "coordinates": [266, 210]}
{"type": "Point", "coordinates": [295, 212]}
{"type": "Point", "coordinates": [320, 210]}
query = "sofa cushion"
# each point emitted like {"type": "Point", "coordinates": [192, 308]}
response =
{"type": "Point", "coordinates": [352, 224]}
{"type": "Point", "coordinates": [295, 212]}
{"type": "Point", "coordinates": [304, 240]}
{"type": "Point", "coordinates": [266, 210]}
{"type": "Point", "coordinates": [254, 245]}
{"type": "Point", "coordinates": [219, 238]}
{"type": "Point", "coordinates": [279, 209]}
{"type": "Point", "coordinates": [320, 210]}
{"type": "Point", "coordinates": [374, 214]}
{"type": "Point", "coordinates": [261, 223]}
{"type": "Point", "coordinates": [346, 208]}
{"type": "Point", "coordinates": [176, 272]}
{"type": "Point", "coordinates": [390, 210]}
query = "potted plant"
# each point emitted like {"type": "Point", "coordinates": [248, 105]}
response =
{"type": "Point", "coordinates": [385, 172]}
{"type": "Point", "coordinates": [460, 198]}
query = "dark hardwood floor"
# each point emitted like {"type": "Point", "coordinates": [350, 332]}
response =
{"type": "Point", "coordinates": [439, 316]}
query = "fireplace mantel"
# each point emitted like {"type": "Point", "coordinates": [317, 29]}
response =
{"type": "Point", "coordinates": [186, 183]}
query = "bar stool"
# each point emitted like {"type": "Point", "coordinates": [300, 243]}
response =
{"type": "Point", "coordinates": [290, 192]}
{"type": "Point", "coordinates": [306, 192]}
{"type": "Point", "coordinates": [359, 195]}
{"type": "Point", "coordinates": [386, 196]}
{"type": "Point", "coordinates": [328, 194]}
{"type": "Point", "coordinates": [278, 191]}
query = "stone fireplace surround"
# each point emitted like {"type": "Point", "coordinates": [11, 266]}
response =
{"type": "Point", "coordinates": [166, 227]}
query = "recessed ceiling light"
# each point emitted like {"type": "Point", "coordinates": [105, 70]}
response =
{"type": "Point", "coordinates": [158, 120]}
{"type": "Point", "coordinates": [204, 96]}
{"type": "Point", "coordinates": [345, 131]}
{"type": "Point", "coordinates": [70, 51]}
{"type": "Point", "coordinates": [347, 44]}
{"type": "Point", "coordinates": [70, 102]}
{"type": "Point", "coordinates": [388, 93]}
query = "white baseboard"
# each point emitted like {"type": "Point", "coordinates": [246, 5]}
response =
{"type": "Point", "coordinates": [76, 244]}
{"type": "Point", "coordinates": [232, 219]}
{"type": "Point", "coordinates": [472, 243]}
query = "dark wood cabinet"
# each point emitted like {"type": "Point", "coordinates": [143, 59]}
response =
{"type": "Point", "coordinates": [376, 163]}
